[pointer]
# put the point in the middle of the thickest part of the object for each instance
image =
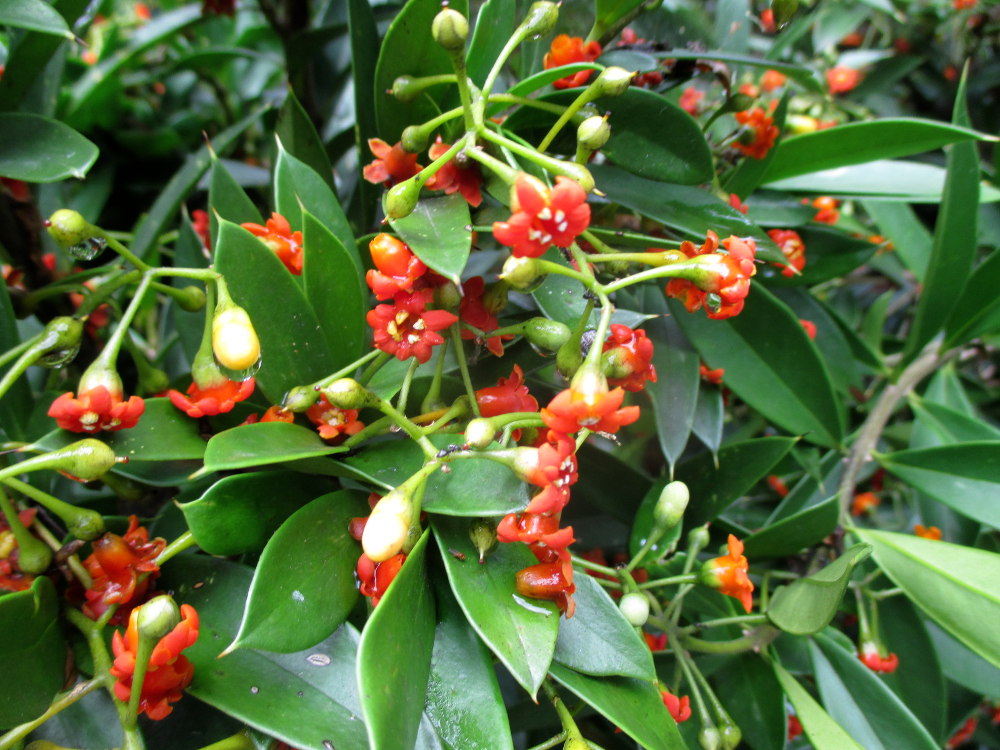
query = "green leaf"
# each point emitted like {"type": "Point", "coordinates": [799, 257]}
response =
{"type": "Point", "coordinates": [614, 486]}
{"type": "Point", "coordinates": [299, 188]}
{"type": "Point", "coordinates": [296, 132]}
{"type": "Point", "coordinates": [239, 514]}
{"type": "Point", "coordinates": [394, 658]}
{"type": "Point", "coordinates": [473, 487]}
{"type": "Point", "coordinates": [674, 396]}
{"type": "Point", "coordinates": [598, 640]}
{"type": "Point", "coordinates": [812, 489]}
{"type": "Point", "coordinates": [753, 697]}
{"type": "Point", "coordinates": [228, 200]}
{"type": "Point", "coordinates": [823, 732]}
{"type": "Point", "coordinates": [963, 476]}
{"type": "Point", "coordinates": [899, 223]}
{"type": "Point", "coordinates": [463, 698]}
{"type": "Point", "coordinates": [334, 288]}
{"type": "Point", "coordinates": [635, 706]}
{"type": "Point", "coordinates": [958, 587]}
{"type": "Point", "coordinates": [609, 12]}
{"type": "Point", "coordinates": [32, 650]}
{"type": "Point", "coordinates": [294, 350]}
{"type": "Point", "coordinates": [163, 433]}
{"type": "Point", "coordinates": [949, 425]}
{"type": "Point", "coordinates": [708, 418]}
{"type": "Point", "coordinates": [977, 311]}
{"type": "Point", "coordinates": [771, 364]}
{"type": "Point", "coordinates": [261, 444]}
{"type": "Point", "coordinates": [860, 142]}
{"type": "Point", "coordinates": [809, 604]}
{"type": "Point", "coordinates": [16, 403]}
{"type": "Point", "coordinates": [961, 665]}
{"type": "Point", "coordinates": [715, 486]}
{"type": "Point", "coordinates": [438, 233]}
{"type": "Point", "coordinates": [955, 238]}
{"type": "Point", "coordinates": [305, 576]}
{"type": "Point", "coordinates": [830, 254]}
{"type": "Point", "coordinates": [861, 703]}
{"type": "Point", "coordinates": [494, 25]}
{"type": "Point", "coordinates": [304, 699]}
{"type": "Point", "coordinates": [793, 534]}
{"type": "Point", "coordinates": [363, 31]}
{"type": "Point", "coordinates": [37, 149]}
{"type": "Point", "coordinates": [33, 15]}
{"type": "Point", "coordinates": [521, 632]}
{"type": "Point", "coordinates": [409, 49]}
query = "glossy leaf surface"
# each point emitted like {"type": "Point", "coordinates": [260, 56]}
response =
{"type": "Point", "coordinates": [38, 149]}
{"type": "Point", "coordinates": [819, 727]}
{"type": "Point", "coordinates": [261, 444]}
{"type": "Point", "coordinates": [437, 233]}
{"type": "Point", "coordinates": [795, 533]}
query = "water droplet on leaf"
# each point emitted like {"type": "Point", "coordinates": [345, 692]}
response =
{"type": "Point", "coordinates": [87, 250]}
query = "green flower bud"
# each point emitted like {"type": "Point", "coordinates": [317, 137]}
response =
{"type": "Point", "coordinates": [414, 139]}
{"type": "Point", "coordinates": [710, 738]}
{"type": "Point", "coordinates": [406, 89]}
{"type": "Point", "coordinates": [85, 524]}
{"type": "Point", "coordinates": [613, 81]}
{"type": "Point", "coordinates": [157, 617]}
{"type": "Point", "coordinates": [347, 393]}
{"type": "Point", "coordinates": [569, 357]}
{"type": "Point", "coordinates": [447, 297]}
{"type": "Point", "coordinates": [635, 607]}
{"type": "Point", "coordinates": [670, 506]}
{"type": "Point", "coordinates": [522, 274]}
{"type": "Point", "coordinates": [33, 555]}
{"type": "Point", "coordinates": [576, 172]}
{"type": "Point", "coordinates": [153, 380]}
{"type": "Point", "coordinates": [60, 341]}
{"type": "Point", "coordinates": [234, 340]}
{"type": "Point", "coordinates": [731, 736]}
{"type": "Point", "coordinates": [484, 537]}
{"type": "Point", "coordinates": [698, 539]}
{"type": "Point", "coordinates": [547, 334]}
{"type": "Point", "coordinates": [401, 199]}
{"type": "Point", "coordinates": [85, 459]}
{"type": "Point", "coordinates": [450, 29]}
{"type": "Point", "coordinates": [593, 133]}
{"type": "Point", "coordinates": [479, 433]}
{"type": "Point", "coordinates": [300, 398]}
{"type": "Point", "coordinates": [69, 228]}
{"type": "Point", "coordinates": [495, 297]}
{"type": "Point", "coordinates": [541, 19]}
{"type": "Point", "coordinates": [190, 298]}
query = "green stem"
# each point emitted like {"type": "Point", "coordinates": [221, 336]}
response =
{"type": "Point", "coordinates": [586, 96]}
{"type": "Point", "coordinates": [123, 251]}
{"type": "Point", "coordinates": [181, 543]}
{"type": "Point", "coordinates": [603, 323]}
{"type": "Point", "coordinates": [506, 173]}
{"type": "Point", "coordinates": [374, 367]}
{"type": "Point", "coordinates": [464, 91]}
{"type": "Point", "coordinates": [524, 101]}
{"type": "Point", "coordinates": [345, 371]}
{"type": "Point", "coordinates": [549, 163]}
{"type": "Point", "coordinates": [35, 350]}
{"type": "Point", "coordinates": [59, 507]}
{"type": "Point", "coordinates": [684, 661]}
{"type": "Point", "coordinates": [16, 351]}
{"type": "Point", "coordinates": [109, 353]}
{"type": "Point", "coordinates": [404, 391]}
{"type": "Point", "coordinates": [459, 409]}
{"type": "Point", "coordinates": [550, 742]}
{"type": "Point", "coordinates": [596, 567]}
{"type": "Point", "coordinates": [737, 620]}
{"type": "Point", "coordinates": [752, 641]}
{"type": "Point", "coordinates": [404, 424]}
{"type": "Point", "coordinates": [378, 427]}
{"type": "Point", "coordinates": [433, 397]}
{"type": "Point", "coordinates": [81, 689]}
{"type": "Point", "coordinates": [548, 266]}
{"type": "Point", "coordinates": [432, 169]}
{"type": "Point", "coordinates": [565, 717]}
{"type": "Point", "coordinates": [463, 367]}
{"type": "Point", "coordinates": [670, 581]}
{"type": "Point", "coordinates": [672, 270]}
{"type": "Point", "coordinates": [142, 654]}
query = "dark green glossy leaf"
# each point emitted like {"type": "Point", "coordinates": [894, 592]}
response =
{"type": "Point", "coordinates": [598, 640]}
{"type": "Point", "coordinates": [437, 232]}
{"type": "Point", "coordinates": [90, 722]}
{"type": "Point", "coordinates": [812, 489]}
{"type": "Point", "coordinates": [409, 49]}
{"type": "Point", "coordinates": [771, 364]}
{"type": "Point", "coordinates": [363, 32]}
{"type": "Point", "coordinates": [740, 467]}
{"type": "Point", "coordinates": [32, 648]}
{"type": "Point", "coordinates": [674, 396]}
{"type": "Point", "coordinates": [463, 698]}
{"type": "Point", "coordinates": [767, 208]}
{"type": "Point", "coordinates": [635, 706]}
{"type": "Point", "coordinates": [33, 15]}
{"type": "Point", "coordinates": [977, 311]}
{"type": "Point", "coordinates": [807, 605]}
{"type": "Point", "coordinates": [899, 223]}
{"type": "Point", "coordinates": [861, 703]}
{"type": "Point", "coordinates": [753, 697]}
{"type": "Point", "coordinates": [958, 587]}
{"type": "Point", "coordinates": [299, 188]}
{"type": "Point", "coordinates": [304, 699]}
{"type": "Point", "coordinates": [494, 25]}
{"type": "Point", "coordinates": [806, 76]}
{"type": "Point", "coordinates": [521, 632]}
{"type": "Point", "coordinates": [608, 12]}
{"type": "Point", "coordinates": [305, 576]}
{"type": "Point", "coordinates": [261, 444]}
{"type": "Point", "coordinates": [228, 200]}
{"type": "Point", "coordinates": [963, 476]}
{"type": "Point", "coordinates": [962, 666]}
{"type": "Point", "coordinates": [795, 533]}
{"type": "Point", "coordinates": [334, 289]}
{"type": "Point", "coordinates": [950, 425]}
{"type": "Point", "coordinates": [747, 177]}
{"type": "Point", "coordinates": [239, 514]}
{"type": "Point", "coordinates": [708, 418]}
{"type": "Point", "coordinates": [15, 404]}
{"type": "Point", "coordinates": [473, 487]}
{"type": "Point", "coordinates": [614, 486]}
{"type": "Point", "coordinates": [543, 78]}
{"type": "Point", "coordinates": [298, 134]}
{"type": "Point", "coordinates": [823, 732]}
{"type": "Point", "coordinates": [37, 149]}
{"type": "Point", "coordinates": [918, 680]}
{"type": "Point", "coordinates": [394, 657]}
{"type": "Point", "coordinates": [955, 238]}
{"type": "Point", "coordinates": [294, 350]}
{"type": "Point", "coordinates": [860, 142]}
{"type": "Point", "coordinates": [164, 433]}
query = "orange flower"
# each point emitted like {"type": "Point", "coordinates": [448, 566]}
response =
{"type": "Point", "coordinates": [200, 224]}
{"type": "Point", "coordinates": [392, 164]}
{"type": "Point", "coordinates": [735, 202]}
{"type": "Point", "coordinates": [809, 327]}
{"type": "Point", "coordinates": [374, 578]}
{"type": "Point", "coordinates": [95, 410]}
{"type": "Point", "coordinates": [115, 565]}
{"type": "Point", "coordinates": [776, 484]}
{"type": "Point", "coordinates": [760, 133]}
{"type": "Point", "coordinates": [794, 249]}
{"type": "Point", "coordinates": [168, 672]}
{"type": "Point", "coordinates": [772, 80]}
{"type": "Point", "coordinates": [863, 502]}
{"type": "Point", "coordinates": [566, 50]}
{"type": "Point", "coordinates": [841, 79]}
{"type": "Point", "coordinates": [964, 733]}
{"type": "Point", "coordinates": [552, 581]}
{"type": "Point", "coordinates": [630, 356]}
{"type": "Point", "coordinates": [588, 403]}
{"type": "Point", "coordinates": [690, 100]}
{"type": "Point", "coordinates": [473, 311]}
{"type": "Point", "coordinates": [871, 658]}
{"type": "Point", "coordinates": [397, 269]}
{"type": "Point", "coordinates": [679, 707]}
{"type": "Point", "coordinates": [216, 399]}
{"type": "Point", "coordinates": [794, 727]}
{"type": "Point", "coordinates": [332, 422]}
{"type": "Point", "coordinates": [463, 178]}
{"type": "Point", "coordinates": [932, 532]}
{"type": "Point", "coordinates": [277, 234]}
{"type": "Point", "coordinates": [964, 4]}
{"type": "Point", "coordinates": [407, 328]}
{"type": "Point", "coordinates": [826, 209]}
{"type": "Point", "coordinates": [728, 574]}
{"type": "Point", "coordinates": [711, 376]}
{"type": "Point", "coordinates": [509, 395]}
{"type": "Point", "coordinates": [542, 217]}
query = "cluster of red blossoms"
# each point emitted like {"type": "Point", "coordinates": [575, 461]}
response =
{"type": "Point", "coordinates": [374, 577]}
{"type": "Point", "coordinates": [122, 570]}
{"type": "Point", "coordinates": [541, 218]}
{"type": "Point", "coordinates": [793, 248]}
{"type": "Point", "coordinates": [726, 275]}
{"type": "Point", "coordinates": [566, 50]}
{"type": "Point", "coordinates": [393, 164]}
{"type": "Point", "coordinates": [760, 133]}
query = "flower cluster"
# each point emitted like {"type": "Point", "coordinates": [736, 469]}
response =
{"type": "Point", "coordinates": [209, 400]}
{"type": "Point", "coordinates": [792, 247]}
{"type": "Point", "coordinates": [759, 134]}
{"type": "Point", "coordinates": [566, 50]}
{"type": "Point", "coordinates": [628, 358]}
{"type": "Point", "coordinates": [168, 673]}
{"type": "Point", "coordinates": [277, 234]}
{"type": "Point", "coordinates": [122, 569]}
{"type": "Point", "coordinates": [542, 217]}
{"type": "Point", "coordinates": [727, 276]}
{"type": "Point", "coordinates": [394, 164]}
{"type": "Point", "coordinates": [728, 574]}
{"type": "Point", "coordinates": [97, 409]}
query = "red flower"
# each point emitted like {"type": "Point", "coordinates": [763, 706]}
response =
{"type": "Point", "coordinates": [727, 276]}
{"type": "Point", "coordinates": [775, 483]}
{"type": "Point", "coordinates": [656, 642]}
{"type": "Point", "coordinates": [509, 395]}
{"type": "Point", "coordinates": [711, 376]}
{"type": "Point", "coordinates": [566, 50]}
{"type": "Point", "coordinates": [863, 502]}
{"type": "Point", "coordinates": [542, 217]}
{"type": "Point", "coordinates": [552, 581]}
{"type": "Point", "coordinates": [772, 80]}
{"type": "Point", "coordinates": [793, 248]}
{"type": "Point", "coordinates": [374, 578]}
{"type": "Point", "coordinates": [735, 202]}
{"type": "Point", "coordinates": [95, 410]}
{"type": "Point", "coordinates": [200, 223]}
{"type": "Point", "coordinates": [212, 400]}
{"type": "Point", "coordinates": [535, 529]}
{"type": "Point", "coordinates": [758, 138]}
{"type": "Point", "coordinates": [332, 422]}
{"type": "Point", "coordinates": [871, 658]}
{"type": "Point", "coordinates": [691, 100]}
{"type": "Point", "coordinates": [115, 565]}
{"type": "Point", "coordinates": [589, 405]}
{"type": "Point", "coordinates": [392, 164]}
{"type": "Point", "coordinates": [767, 24]}
{"type": "Point", "coordinates": [406, 328]}
{"type": "Point", "coordinates": [474, 312]}
{"type": "Point", "coordinates": [456, 177]}
{"type": "Point", "coordinates": [728, 574]}
{"type": "Point", "coordinates": [396, 270]}
{"type": "Point", "coordinates": [12, 578]}
{"type": "Point", "coordinates": [794, 727]}
{"type": "Point", "coordinates": [277, 234]}
{"type": "Point", "coordinates": [168, 672]}
{"type": "Point", "coordinates": [679, 707]}
{"type": "Point", "coordinates": [933, 532]}
{"type": "Point", "coordinates": [840, 80]}
{"type": "Point", "coordinates": [964, 733]}
{"type": "Point", "coordinates": [826, 209]}
{"type": "Point", "coordinates": [631, 355]}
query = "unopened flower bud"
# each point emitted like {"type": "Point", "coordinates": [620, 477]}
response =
{"type": "Point", "coordinates": [522, 274]}
{"type": "Point", "coordinates": [613, 81]}
{"type": "Point", "coordinates": [484, 537]}
{"type": "Point", "coordinates": [190, 298]}
{"type": "Point", "coordinates": [33, 555]}
{"type": "Point", "coordinates": [157, 617]}
{"type": "Point", "coordinates": [670, 506]}
{"type": "Point", "coordinates": [479, 433]}
{"type": "Point", "coordinates": [414, 139]}
{"type": "Point", "coordinates": [635, 607]}
{"type": "Point", "coordinates": [799, 124]}
{"type": "Point", "coordinates": [153, 380]}
{"type": "Point", "coordinates": [447, 297]}
{"type": "Point", "coordinates": [731, 736]}
{"type": "Point", "coordinates": [710, 738]}
{"type": "Point", "coordinates": [300, 398]}
{"type": "Point", "coordinates": [388, 526]}
{"type": "Point", "coordinates": [593, 133]}
{"type": "Point", "coordinates": [346, 393]}
{"type": "Point", "coordinates": [569, 357]}
{"type": "Point", "coordinates": [541, 19]}
{"type": "Point", "coordinates": [495, 297]}
{"type": "Point", "coordinates": [234, 340]}
{"type": "Point", "coordinates": [401, 199]}
{"type": "Point", "coordinates": [85, 524]}
{"type": "Point", "coordinates": [406, 89]}
{"type": "Point", "coordinates": [450, 29]}
{"type": "Point", "coordinates": [69, 228]}
{"type": "Point", "coordinates": [697, 540]}
{"type": "Point", "coordinates": [60, 341]}
{"type": "Point", "coordinates": [85, 459]}
{"type": "Point", "coordinates": [576, 172]}
{"type": "Point", "coordinates": [547, 334]}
